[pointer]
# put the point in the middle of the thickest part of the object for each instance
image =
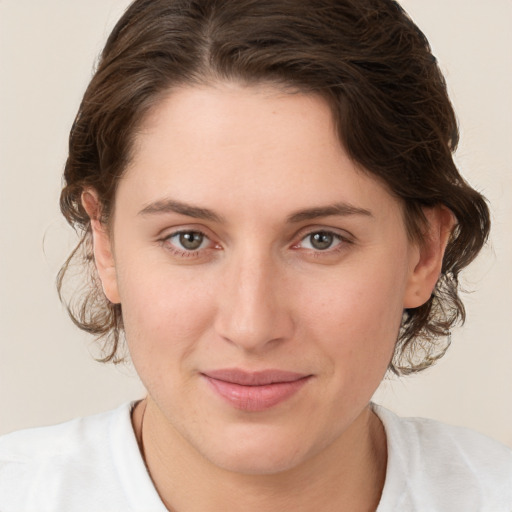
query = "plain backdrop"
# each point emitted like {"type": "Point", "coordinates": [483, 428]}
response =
{"type": "Point", "coordinates": [47, 371]}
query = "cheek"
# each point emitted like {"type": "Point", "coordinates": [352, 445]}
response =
{"type": "Point", "coordinates": [358, 322]}
{"type": "Point", "coordinates": [164, 312]}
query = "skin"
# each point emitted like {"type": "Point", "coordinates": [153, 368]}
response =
{"type": "Point", "coordinates": [259, 294]}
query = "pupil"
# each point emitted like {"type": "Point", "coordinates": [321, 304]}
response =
{"type": "Point", "coordinates": [191, 240]}
{"type": "Point", "coordinates": [321, 240]}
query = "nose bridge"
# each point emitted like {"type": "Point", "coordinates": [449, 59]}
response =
{"type": "Point", "coordinates": [253, 311]}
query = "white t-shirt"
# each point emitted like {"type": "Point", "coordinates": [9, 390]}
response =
{"type": "Point", "coordinates": [94, 464]}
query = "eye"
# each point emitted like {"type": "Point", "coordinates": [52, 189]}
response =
{"type": "Point", "coordinates": [188, 240]}
{"type": "Point", "coordinates": [321, 240]}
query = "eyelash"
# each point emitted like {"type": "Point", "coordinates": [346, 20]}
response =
{"type": "Point", "coordinates": [183, 253]}
{"type": "Point", "coordinates": [317, 253]}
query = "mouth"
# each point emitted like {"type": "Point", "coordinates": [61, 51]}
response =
{"type": "Point", "coordinates": [255, 391]}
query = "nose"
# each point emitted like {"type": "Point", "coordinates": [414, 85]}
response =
{"type": "Point", "coordinates": [254, 303]}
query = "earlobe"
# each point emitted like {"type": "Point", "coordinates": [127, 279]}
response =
{"type": "Point", "coordinates": [102, 246]}
{"type": "Point", "coordinates": [428, 256]}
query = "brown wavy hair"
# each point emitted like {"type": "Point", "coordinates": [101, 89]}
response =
{"type": "Point", "coordinates": [366, 58]}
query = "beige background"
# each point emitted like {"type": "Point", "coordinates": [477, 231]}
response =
{"type": "Point", "coordinates": [47, 374]}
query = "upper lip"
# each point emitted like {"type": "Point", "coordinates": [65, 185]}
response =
{"type": "Point", "coordinates": [258, 378]}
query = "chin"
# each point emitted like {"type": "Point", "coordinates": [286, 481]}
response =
{"type": "Point", "coordinates": [258, 450]}
{"type": "Point", "coordinates": [258, 462]}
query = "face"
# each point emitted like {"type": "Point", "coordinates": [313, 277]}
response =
{"type": "Point", "coordinates": [262, 274]}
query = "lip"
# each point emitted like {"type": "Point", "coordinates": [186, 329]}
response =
{"type": "Point", "coordinates": [255, 391]}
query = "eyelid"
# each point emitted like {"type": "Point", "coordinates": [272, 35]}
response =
{"type": "Point", "coordinates": [343, 240]}
{"type": "Point", "coordinates": [343, 237]}
{"type": "Point", "coordinates": [205, 238]}
{"type": "Point", "coordinates": [170, 230]}
{"type": "Point", "coordinates": [336, 240]}
{"type": "Point", "coordinates": [181, 252]}
{"type": "Point", "coordinates": [342, 234]}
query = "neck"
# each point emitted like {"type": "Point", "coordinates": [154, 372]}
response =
{"type": "Point", "coordinates": [347, 475]}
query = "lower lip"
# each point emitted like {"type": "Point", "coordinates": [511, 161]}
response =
{"type": "Point", "coordinates": [256, 398]}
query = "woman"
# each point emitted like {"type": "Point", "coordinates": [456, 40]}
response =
{"type": "Point", "coordinates": [272, 218]}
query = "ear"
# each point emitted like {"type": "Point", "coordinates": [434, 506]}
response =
{"type": "Point", "coordinates": [102, 246]}
{"type": "Point", "coordinates": [428, 256]}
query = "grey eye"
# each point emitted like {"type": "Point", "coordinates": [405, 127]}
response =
{"type": "Point", "coordinates": [321, 240]}
{"type": "Point", "coordinates": [189, 240]}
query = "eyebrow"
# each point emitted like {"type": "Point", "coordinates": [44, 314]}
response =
{"type": "Point", "coordinates": [173, 206]}
{"type": "Point", "coordinates": [337, 209]}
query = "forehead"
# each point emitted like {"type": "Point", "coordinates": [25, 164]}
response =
{"type": "Point", "coordinates": [255, 145]}
{"type": "Point", "coordinates": [230, 115]}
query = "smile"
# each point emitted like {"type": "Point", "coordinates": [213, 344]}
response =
{"type": "Point", "coordinates": [255, 391]}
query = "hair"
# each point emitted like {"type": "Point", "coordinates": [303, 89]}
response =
{"type": "Point", "coordinates": [366, 58]}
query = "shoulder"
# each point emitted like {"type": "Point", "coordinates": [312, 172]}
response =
{"type": "Point", "coordinates": [55, 441]}
{"type": "Point", "coordinates": [68, 466]}
{"type": "Point", "coordinates": [445, 466]}
{"type": "Point", "coordinates": [74, 443]}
